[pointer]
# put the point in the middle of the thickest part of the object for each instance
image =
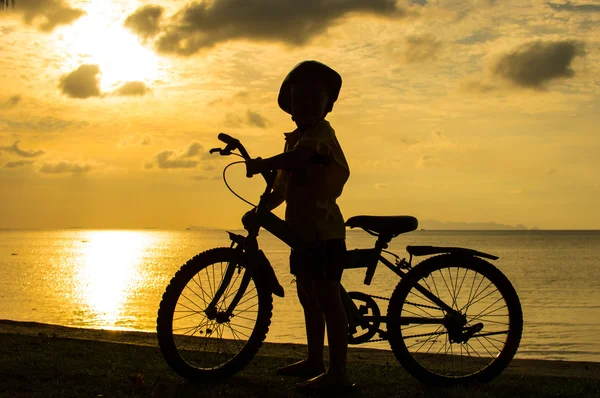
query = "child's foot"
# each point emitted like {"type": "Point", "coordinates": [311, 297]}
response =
{"type": "Point", "coordinates": [302, 368]}
{"type": "Point", "coordinates": [326, 381]}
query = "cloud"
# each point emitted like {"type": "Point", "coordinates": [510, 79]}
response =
{"type": "Point", "coordinates": [145, 21]}
{"type": "Point", "coordinates": [428, 161]}
{"type": "Point", "coordinates": [568, 6]}
{"type": "Point", "coordinates": [14, 148]}
{"type": "Point", "coordinates": [5, 4]}
{"type": "Point", "coordinates": [42, 125]}
{"type": "Point", "coordinates": [251, 119]}
{"type": "Point", "coordinates": [7, 30]}
{"type": "Point", "coordinates": [18, 163]}
{"type": "Point", "coordinates": [243, 97]}
{"type": "Point", "coordinates": [533, 64]}
{"type": "Point", "coordinates": [11, 102]}
{"type": "Point", "coordinates": [194, 149]}
{"type": "Point", "coordinates": [186, 159]}
{"type": "Point", "coordinates": [421, 48]}
{"type": "Point", "coordinates": [477, 37]}
{"type": "Point", "coordinates": [202, 25]}
{"type": "Point", "coordinates": [132, 88]}
{"type": "Point", "coordinates": [63, 167]}
{"type": "Point", "coordinates": [202, 177]}
{"type": "Point", "coordinates": [168, 160]}
{"type": "Point", "coordinates": [255, 119]}
{"type": "Point", "coordinates": [46, 14]}
{"type": "Point", "coordinates": [82, 82]}
{"type": "Point", "coordinates": [476, 86]}
{"type": "Point", "coordinates": [415, 49]}
{"type": "Point", "coordinates": [133, 141]}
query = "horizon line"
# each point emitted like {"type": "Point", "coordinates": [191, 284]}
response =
{"type": "Point", "coordinates": [241, 228]}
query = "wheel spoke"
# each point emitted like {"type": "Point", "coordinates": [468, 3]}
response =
{"type": "Point", "coordinates": [477, 335]}
{"type": "Point", "coordinates": [468, 305]}
{"type": "Point", "coordinates": [186, 307]}
{"type": "Point", "coordinates": [487, 308]}
{"type": "Point", "coordinates": [229, 292]}
{"type": "Point", "coordinates": [204, 345]}
{"type": "Point", "coordinates": [467, 285]}
{"type": "Point", "coordinates": [199, 284]}
{"type": "Point", "coordinates": [184, 316]}
{"type": "Point", "coordinates": [200, 297]}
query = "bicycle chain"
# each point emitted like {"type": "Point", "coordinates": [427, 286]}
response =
{"type": "Point", "coordinates": [411, 303]}
{"type": "Point", "coordinates": [407, 302]}
{"type": "Point", "coordinates": [410, 337]}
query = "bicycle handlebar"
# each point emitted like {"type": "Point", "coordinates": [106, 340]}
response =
{"type": "Point", "coordinates": [232, 144]}
{"type": "Point", "coordinates": [229, 140]}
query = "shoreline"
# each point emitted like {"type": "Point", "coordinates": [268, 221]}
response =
{"type": "Point", "coordinates": [521, 367]}
{"type": "Point", "coordinates": [42, 360]}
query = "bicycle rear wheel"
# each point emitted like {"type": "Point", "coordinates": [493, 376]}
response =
{"type": "Point", "coordinates": [202, 349]}
{"type": "Point", "coordinates": [488, 312]}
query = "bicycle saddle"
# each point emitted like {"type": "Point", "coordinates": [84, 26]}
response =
{"type": "Point", "coordinates": [384, 225]}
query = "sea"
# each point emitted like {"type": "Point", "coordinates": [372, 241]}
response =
{"type": "Point", "coordinates": [114, 279]}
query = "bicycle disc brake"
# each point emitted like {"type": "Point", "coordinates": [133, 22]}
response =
{"type": "Point", "coordinates": [361, 332]}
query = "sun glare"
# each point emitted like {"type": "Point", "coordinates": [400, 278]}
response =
{"type": "Point", "coordinates": [99, 38]}
{"type": "Point", "coordinates": [109, 272]}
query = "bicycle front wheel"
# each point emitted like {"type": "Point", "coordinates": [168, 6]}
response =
{"type": "Point", "coordinates": [430, 344]}
{"type": "Point", "coordinates": [199, 348]}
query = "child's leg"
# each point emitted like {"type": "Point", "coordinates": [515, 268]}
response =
{"type": "Point", "coordinates": [315, 323]}
{"type": "Point", "coordinates": [330, 302]}
{"type": "Point", "coordinates": [315, 331]}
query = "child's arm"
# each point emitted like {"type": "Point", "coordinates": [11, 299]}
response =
{"type": "Point", "coordinates": [274, 199]}
{"type": "Point", "coordinates": [295, 158]}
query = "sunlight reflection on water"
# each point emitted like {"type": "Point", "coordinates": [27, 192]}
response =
{"type": "Point", "coordinates": [115, 280]}
{"type": "Point", "coordinates": [109, 272]}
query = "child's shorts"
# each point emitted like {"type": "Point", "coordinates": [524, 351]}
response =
{"type": "Point", "coordinates": [323, 260]}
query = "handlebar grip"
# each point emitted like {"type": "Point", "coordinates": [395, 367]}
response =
{"type": "Point", "coordinates": [229, 140]}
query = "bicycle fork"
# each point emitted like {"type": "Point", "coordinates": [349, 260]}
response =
{"type": "Point", "coordinates": [255, 261]}
{"type": "Point", "coordinates": [211, 310]}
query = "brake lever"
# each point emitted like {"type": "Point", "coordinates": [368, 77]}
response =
{"type": "Point", "coordinates": [222, 152]}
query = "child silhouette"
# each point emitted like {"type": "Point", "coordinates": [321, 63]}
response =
{"type": "Point", "coordinates": [311, 173]}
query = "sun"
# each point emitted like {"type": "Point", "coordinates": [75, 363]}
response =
{"type": "Point", "coordinates": [99, 38]}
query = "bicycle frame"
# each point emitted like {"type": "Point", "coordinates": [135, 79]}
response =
{"type": "Point", "coordinates": [251, 255]}
{"type": "Point", "coordinates": [253, 258]}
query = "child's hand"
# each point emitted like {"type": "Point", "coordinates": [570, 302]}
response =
{"type": "Point", "coordinates": [249, 218]}
{"type": "Point", "coordinates": [254, 166]}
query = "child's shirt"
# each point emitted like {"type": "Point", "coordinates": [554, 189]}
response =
{"type": "Point", "coordinates": [311, 191]}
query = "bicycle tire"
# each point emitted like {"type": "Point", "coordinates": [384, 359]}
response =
{"type": "Point", "coordinates": [499, 306]}
{"type": "Point", "coordinates": [179, 350]}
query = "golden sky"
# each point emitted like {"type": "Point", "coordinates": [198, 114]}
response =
{"type": "Point", "coordinates": [450, 110]}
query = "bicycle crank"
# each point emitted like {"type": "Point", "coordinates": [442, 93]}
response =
{"type": "Point", "coordinates": [364, 324]}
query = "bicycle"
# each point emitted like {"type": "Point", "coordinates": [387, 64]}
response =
{"type": "Point", "coordinates": [452, 318]}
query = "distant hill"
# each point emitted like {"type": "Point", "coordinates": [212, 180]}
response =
{"type": "Point", "coordinates": [425, 224]}
{"type": "Point", "coordinates": [200, 228]}
{"type": "Point", "coordinates": [487, 226]}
